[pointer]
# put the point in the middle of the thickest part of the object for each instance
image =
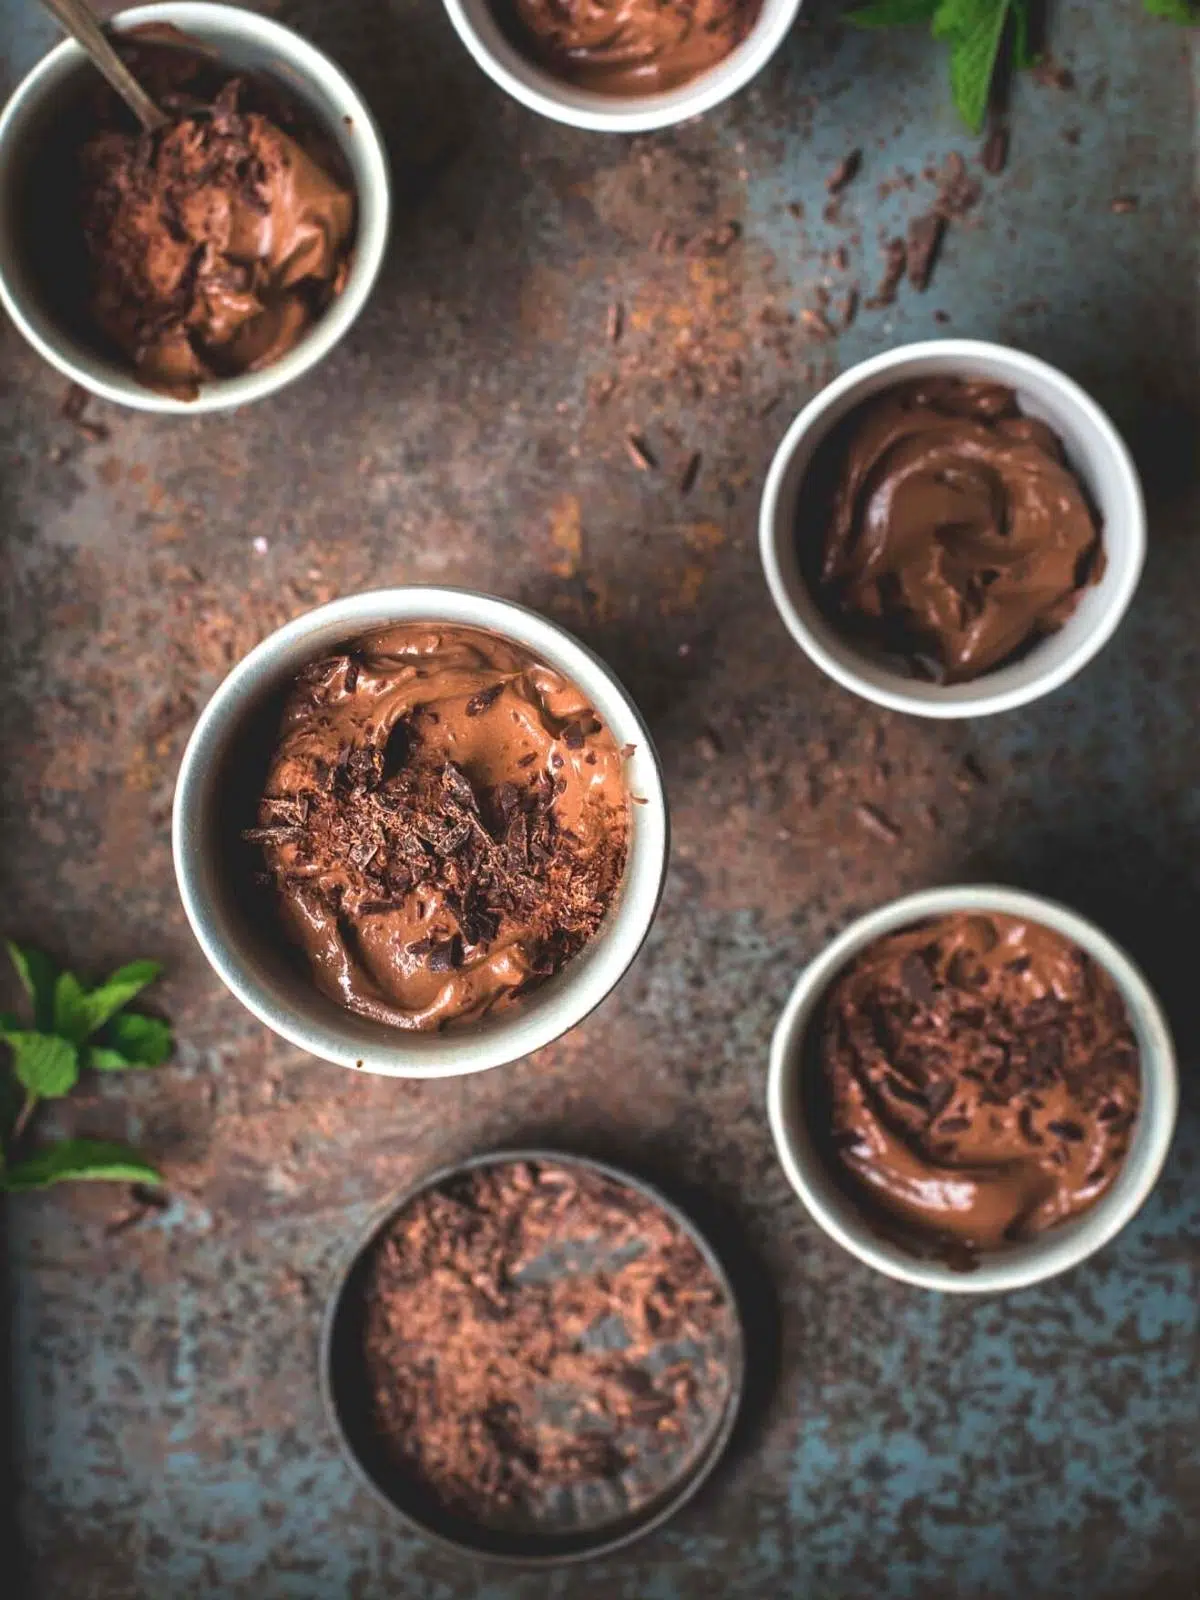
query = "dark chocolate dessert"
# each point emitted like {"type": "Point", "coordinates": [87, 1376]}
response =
{"type": "Point", "coordinates": [977, 1081]}
{"type": "Point", "coordinates": [630, 47]}
{"type": "Point", "coordinates": [444, 823]}
{"type": "Point", "coordinates": [942, 526]}
{"type": "Point", "coordinates": [209, 247]}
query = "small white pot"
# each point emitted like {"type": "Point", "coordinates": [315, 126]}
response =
{"type": "Point", "coordinates": [1018, 1265]}
{"type": "Point", "coordinates": [255, 967]}
{"type": "Point", "coordinates": [1094, 449]}
{"type": "Point", "coordinates": [535, 87]}
{"type": "Point", "coordinates": [244, 41]}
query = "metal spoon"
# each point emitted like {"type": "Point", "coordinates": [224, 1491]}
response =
{"type": "Point", "coordinates": [82, 23]}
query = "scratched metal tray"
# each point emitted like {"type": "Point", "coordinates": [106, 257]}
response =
{"type": "Point", "coordinates": [169, 1437]}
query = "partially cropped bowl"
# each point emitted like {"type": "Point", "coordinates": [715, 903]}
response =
{"type": "Point", "coordinates": [539, 89]}
{"type": "Point", "coordinates": [242, 41]}
{"type": "Point", "coordinates": [251, 956]}
{"type": "Point", "coordinates": [803, 1151]}
{"type": "Point", "coordinates": [1094, 450]}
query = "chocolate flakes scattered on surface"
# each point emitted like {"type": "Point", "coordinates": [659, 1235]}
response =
{"type": "Point", "coordinates": [541, 1341]}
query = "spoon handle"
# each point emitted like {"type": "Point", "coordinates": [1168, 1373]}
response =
{"type": "Point", "coordinates": [82, 23]}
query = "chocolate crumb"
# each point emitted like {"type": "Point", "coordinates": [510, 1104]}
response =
{"type": "Point", "coordinates": [874, 821]}
{"type": "Point", "coordinates": [924, 240]}
{"type": "Point", "coordinates": [845, 172]}
{"type": "Point", "coordinates": [995, 151]}
{"type": "Point", "coordinates": [895, 259]}
{"type": "Point", "coordinates": [639, 453]}
{"type": "Point", "coordinates": [1051, 75]}
{"type": "Point", "coordinates": [817, 324]}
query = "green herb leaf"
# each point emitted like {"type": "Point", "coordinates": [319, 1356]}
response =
{"type": "Point", "coordinates": [78, 1013]}
{"type": "Point", "coordinates": [132, 1040]}
{"type": "Point", "coordinates": [70, 1008]}
{"type": "Point", "coordinates": [47, 1065]}
{"type": "Point", "coordinates": [974, 30]}
{"type": "Point", "coordinates": [893, 13]}
{"type": "Point", "coordinates": [1184, 11]}
{"type": "Point", "coordinates": [92, 1159]}
{"type": "Point", "coordinates": [102, 1058]}
{"type": "Point", "coordinates": [37, 975]}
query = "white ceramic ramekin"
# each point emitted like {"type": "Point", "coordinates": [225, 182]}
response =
{"type": "Point", "coordinates": [243, 41]}
{"type": "Point", "coordinates": [1018, 1265]}
{"type": "Point", "coordinates": [1095, 450]}
{"type": "Point", "coordinates": [257, 968]}
{"type": "Point", "coordinates": [475, 23]}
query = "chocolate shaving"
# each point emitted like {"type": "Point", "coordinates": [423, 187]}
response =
{"type": "Point", "coordinates": [640, 453]}
{"type": "Point", "coordinates": [481, 1299]}
{"type": "Point", "coordinates": [924, 240]}
{"type": "Point", "coordinates": [845, 172]}
{"type": "Point", "coordinates": [479, 703]}
{"type": "Point", "coordinates": [895, 259]}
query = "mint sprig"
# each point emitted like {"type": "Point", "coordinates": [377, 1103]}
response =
{"type": "Point", "coordinates": [976, 32]}
{"type": "Point", "coordinates": [73, 1028]}
{"type": "Point", "coordinates": [981, 35]}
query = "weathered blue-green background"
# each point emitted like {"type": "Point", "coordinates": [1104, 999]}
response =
{"type": "Point", "coordinates": [168, 1441]}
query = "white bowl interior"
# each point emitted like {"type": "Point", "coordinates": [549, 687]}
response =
{"type": "Point", "coordinates": [245, 41]}
{"type": "Point", "coordinates": [1094, 450]}
{"type": "Point", "coordinates": [1016, 1265]}
{"type": "Point", "coordinates": [261, 971]}
{"type": "Point", "coordinates": [476, 25]}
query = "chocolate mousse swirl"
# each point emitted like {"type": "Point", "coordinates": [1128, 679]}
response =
{"type": "Point", "coordinates": [978, 1080]}
{"type": "Point", "coordinates": [954, 532]}
{"type": "Point", "coordinates": [444, 824]}
{"type": "Point", "coordinates": [629, 47]}
{"type": "Point", "coordinates": [214, 243]}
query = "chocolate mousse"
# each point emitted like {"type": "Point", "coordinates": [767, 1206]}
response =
{"type": "Point", "coordinates": [215, 243]}
{"type": "Point", "coordinates": [444, 823]}
{"type": "Point", "coordinates": [628, 47]}
{"type": "Point", "coordinates": [942, 526]}
{"type": "Point", "coordinates": [978, 1081]}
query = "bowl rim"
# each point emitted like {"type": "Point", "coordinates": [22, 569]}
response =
{"type": "Point", "coordinates": [981, 696]}
{"type": "Point", "coordinates": [537, 89]}
{"type": "Point", "coordinates": [390, 1208]}
{"type": "Point", "coordinates": [216, 22]}
{"type": "Point", "coordinates": [1055, 1251]}
{"type": "Point", "coordinates": [452, 1052]}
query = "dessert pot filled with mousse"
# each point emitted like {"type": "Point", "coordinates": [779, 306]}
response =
{"type": "Point", "coordinates": [952, 528]}
{"type": "Point", "coordinates": [426, 843]}
{"type": "Point", "coordinates": [212, 259]}
{"type": "Point", "coordinates": [972, 1088]}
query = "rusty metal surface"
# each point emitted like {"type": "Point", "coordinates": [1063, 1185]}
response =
{"type": "Point", "coordinates": [169, 1438]}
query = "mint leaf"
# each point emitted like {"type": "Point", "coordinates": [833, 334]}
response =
{"type": "Point", "coordinates": [102, 1058]}
{"type": "Point", "coordinates": [70, 1008]}
{"type": "Point", "coordinates": [131, 1041]}
{"type": "Point", "coordinates": [893, 13]}
{"type": "Point", "coordinates": [47, 1065]}
{"type": "Point", "coordinates": [78, 1013]}
{"type": "Point", "coordinates": [37, 975]}
{"type": "Point", "coordinates": [140, 1041]}
{"type": "Point", "coordinates": [1184, 11]}
{"type": "Point", "coordinates": [92, 1159]}
{"type": "Point", "coordinates": [974, 30]}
